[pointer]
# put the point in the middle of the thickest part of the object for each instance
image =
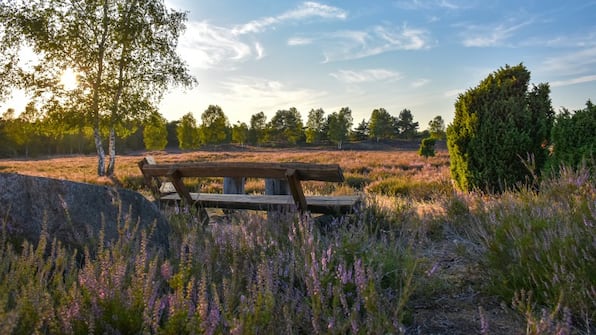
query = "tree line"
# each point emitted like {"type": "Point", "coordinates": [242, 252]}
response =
{"type": "Point", "coordinates": [34, 133]}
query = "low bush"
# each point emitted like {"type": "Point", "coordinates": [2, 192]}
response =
{"type": "Point", "coordinates": [544, 243]}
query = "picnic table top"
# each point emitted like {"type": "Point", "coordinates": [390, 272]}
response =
{"type": "Point", "coordinates": [304, 171]}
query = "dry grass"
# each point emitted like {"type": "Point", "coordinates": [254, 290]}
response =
{"type": "Point", "coordinates": [371, 165]}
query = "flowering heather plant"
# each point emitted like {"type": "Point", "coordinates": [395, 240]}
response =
{"type": "Point", "coordinates": [401, 263]}
{"type": "Point", "coordinates": [545, 243]}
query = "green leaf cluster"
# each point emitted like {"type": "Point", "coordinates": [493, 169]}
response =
{"type": "Point", "coordinates": [498, 124]}
{"type": "Point", "coordinates": [574, 138]}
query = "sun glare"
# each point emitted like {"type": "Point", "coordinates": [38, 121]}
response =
{"type": "Point", "coordinates": [69, 79]}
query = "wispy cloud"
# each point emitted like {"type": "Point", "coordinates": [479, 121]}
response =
{"type": "Point", "coordinates": [428, 4]}
{"type": "Point", "coordinates": [346, 45]}
{"type": "Point", "coordinates": [573, 81]}
{"type": "Point", "coordinates": [420, 82]}
{"type": "Point", "coordinates": [573, 63]}
{"type": "Point", "coordinates": [299, 41]}
{"type": "Point", "coordinates": [305, 11]}
{"type": "Point", "coordinates": [265, 94]}
{"type": "Point", "coordinates": [369, 75]}
{"type": "Point", "coordinates": [487, 35]}
{"type": "Point", "coordinates": [206, 45]}
{"type": "Point", "coordinates": [453, 93]}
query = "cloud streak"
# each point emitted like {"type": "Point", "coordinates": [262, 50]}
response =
{"type": "Point", "coordinates": [573, 81]}
{"type": "Point", "coordinates": [346, 45]}
{"type": "Point", "coordinates": [305, 11]}
{"type": "Point", "coordinates": [265, 94]}
{"type": "Point", "coordinates": [206, 45]}
{"type": "Point", "coordinates": [491, 35]}
{"type": "Point", "coordinates": [369, 75]}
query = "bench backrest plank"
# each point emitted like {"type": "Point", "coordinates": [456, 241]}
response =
{"type": "Point", "coordinates": [319, 172]}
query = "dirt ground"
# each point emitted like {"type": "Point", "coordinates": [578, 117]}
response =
{"type": "Point", "coordinates": [453, 302]}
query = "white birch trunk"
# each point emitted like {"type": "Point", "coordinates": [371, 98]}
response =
{"type": "Point", "coordinates": [112, 153]}
{"type": "Point", "coordinates": [101, 155]}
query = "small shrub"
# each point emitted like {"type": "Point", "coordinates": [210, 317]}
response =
{"type": "Point", "coordinates": [414, 189]}
{"type": "Point", "coordinates": [357, 181]}
{"type": "Point", "coordinates": [427, 147]}
{"type": "Point", "coordinates": [535, 242]}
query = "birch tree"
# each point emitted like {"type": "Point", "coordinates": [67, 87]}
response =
{"type": "Point", "coordinates": [123, 52]}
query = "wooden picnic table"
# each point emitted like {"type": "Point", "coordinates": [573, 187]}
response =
{"type": "Point", "coordinates": [283, 185]}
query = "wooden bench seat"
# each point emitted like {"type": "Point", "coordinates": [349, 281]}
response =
{"type": "Point", "coordinates": [315, 203]}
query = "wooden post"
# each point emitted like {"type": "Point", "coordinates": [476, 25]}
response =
{"type": "Point", "coordinates": [233, 185]}
{"type": "Point", "coordinates": [176, 178]}
{"type": "Point", "coordinates": [276, 186]}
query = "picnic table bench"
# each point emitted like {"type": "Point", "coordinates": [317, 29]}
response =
{"type": "Point", "coordinates": [283, 188]}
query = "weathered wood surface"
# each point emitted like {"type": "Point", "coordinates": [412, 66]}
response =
{"type": "Point", "coordinates": [304, 171]}
{"type": "Point", "coordinates": [315, 204]}
{"type": "Point", "coordinates": [283, 185]}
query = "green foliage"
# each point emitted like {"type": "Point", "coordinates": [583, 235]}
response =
{"type": "Point", "coordinates": [361, 132]}
{"type": "Point", "coordinates": [436, 128]}
{"type": "Point", "coordinates": [544, 243]}
{"type": "Point", "coordinates": [315, 125]}
{"type": "Point", "coordinates": [257, 130]}
{"type": "Point", "coordinates": [155, 133]}
{"type": "Point", "coordinates": [574, 138]}
{"type": "Point", "coordinates": [381, 125]}
{"type": "Point", "coordinates": [214, 126]}
{"type": "Point", "coordinates": [405, 124]}
{"type": "Point", "coordinates": [339, 124]}
{"type": "Point", "coordinates": [240, 133]}
{"type": "Point", "coordinates": [427, 147]}
{"type": "Point", "coordinates": [286, 127]}
{"type": "Point", "coordinates": [123, 53]}
{"type": "Point", "coordinates": [187, 132]}
{"type": "Point", "coordinates": [414, 189]}
{"type": "Point", "coordinates": [495, 125]}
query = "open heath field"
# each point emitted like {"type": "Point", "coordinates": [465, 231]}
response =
{"type": "Point", "coordinates": [419, 257]}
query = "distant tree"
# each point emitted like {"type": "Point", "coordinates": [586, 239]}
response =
{"type": "Point", "coordinates": [339, 126]}
{"type": "Point", "coordinates": [381, 125]}
{"type": "Point", "coordinates": [406, 125]}
{"type": "Point", "coordinates": [123, 52]}
{"type": "Point", "coordinates": [286, 127]}
{"type": "Point", "coordinates": [258, 128]}
{"type": "Point", "coordinates": [574, 138]}
{"type": "Point", "coordinates": [498, 124]}
{"type": "Point", "coordinates": [315, 126]}
{"type": "Point", "coordinates": [361, 132]}
{"type": "Point", "coordinates": [172, 134]}
{"type": "Point", "coordinates": [215, 125]}
{"type": "Point", "coordinates": [155, 133]}
{"type": "Point", "coordinates": [427, 147]}
{"type": "Point", "coordinates": [436, 127]}
{"type": "Point", "coordinates": [23, 129]}
{"type": "Point", "coordinates": [240, 133]}
{"type": "Point", "coordinates": [187, 132]}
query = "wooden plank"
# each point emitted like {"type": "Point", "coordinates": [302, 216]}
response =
{"type": "Point", "coordinates": [176, 179]}
{"type": "Point", "coordinates": [152, 182]}
{"type": "Point", "coordinates": [296, 189]}
{"type": "Point", "coordinates": [315, 204]}
{"type": "Point", "coordinates": [305, 171]}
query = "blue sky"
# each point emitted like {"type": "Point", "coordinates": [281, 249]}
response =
{"type": "Point", "coordinates": [266, 55]}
